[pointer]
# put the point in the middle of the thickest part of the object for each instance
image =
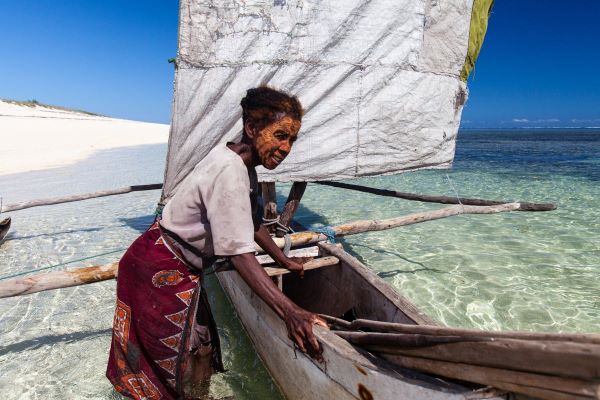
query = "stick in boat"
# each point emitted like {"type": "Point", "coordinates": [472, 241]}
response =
{"type": "Point", "coordinates": [14, 287]}
{"type": "Point", "coordinates": [445, 331]}
{"type": "Point", "coordinates": [557, 357]}
{"type": "Point", "coordinates": [438, 199]}
{"type": "Point", "coordinates": [536, 385]}
{"type": "Point", "coordinates": [79, 197]}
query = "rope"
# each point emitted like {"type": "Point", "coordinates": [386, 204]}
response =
{"type": "Point", "coordinates": [327, 231]}
{"type": "Point", "coordinates": [280, 227]}
{"type": "Point", "coordinates": [455, 191]}
{"type": "Point", "coordinates": [17, 274]}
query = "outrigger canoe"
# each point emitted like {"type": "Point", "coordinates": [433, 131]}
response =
{"type": "Point", "coordinates": [347, 287]}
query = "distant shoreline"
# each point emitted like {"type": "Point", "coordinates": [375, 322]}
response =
{"type": "Point", "coordinates": [37, 137]}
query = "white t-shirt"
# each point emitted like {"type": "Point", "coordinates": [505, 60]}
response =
{"type": "Point", "coordinates": [212, 210]}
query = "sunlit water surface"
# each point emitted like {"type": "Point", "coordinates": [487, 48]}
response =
{"type": "Point", "coordinates": [530, 271]}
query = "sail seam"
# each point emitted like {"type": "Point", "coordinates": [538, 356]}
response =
{"type": "Point", "coordinates": [358, 103]}
{"type": "Point", "coordinates": [185, 64]}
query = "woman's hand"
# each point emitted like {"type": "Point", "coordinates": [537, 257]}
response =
{"type": "Point", "coordinates": [294, 266]}
{"type": "Point", "coordinates": [299, 323]}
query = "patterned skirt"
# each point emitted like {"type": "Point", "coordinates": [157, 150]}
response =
{"type": "Point", "coordinates": [164, 336]}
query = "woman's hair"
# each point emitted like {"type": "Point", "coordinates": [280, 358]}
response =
{"type": "Point", "coordinates": [264, 105]}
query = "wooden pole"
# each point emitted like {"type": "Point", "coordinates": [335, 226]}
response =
{"type": "Point", "coordinates": [362, 226]}
{"type": "Point", "coordinates": [438, 199]}
{"type": "Point", "coordinates": [301, 238]}
{"type": "Point", "coordinates": [291, 205]}
{"type": "Point", "coordinates": [57, 280]}
{"type": "Point", "coordinates": [381, 326]}
{"type": "Point", "coordinates": [269, 196]}
{"type": "Point", "coordinates": [79, 197]}
{"type": "Point", "coordinates": [536, 385]}
{"type": "Point", "coordinates": [557, 357]}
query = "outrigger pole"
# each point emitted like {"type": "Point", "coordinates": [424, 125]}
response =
{"type": "Point", "coordinates": [293, 198]}
{"type": "Point", "coordinates": [80, 276]}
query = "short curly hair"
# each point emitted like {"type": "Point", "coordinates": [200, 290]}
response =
{"type": "Point", "coordinates": [264, 105]}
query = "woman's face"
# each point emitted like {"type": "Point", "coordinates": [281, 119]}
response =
{"type": "Point", "coordinates": [274, 142]}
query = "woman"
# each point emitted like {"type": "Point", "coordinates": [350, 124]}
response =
{"type": "Point", "coordinates": [165, 343]}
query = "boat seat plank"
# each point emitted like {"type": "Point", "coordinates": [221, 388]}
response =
{"type": "Point", "coordinates": [312, 264]}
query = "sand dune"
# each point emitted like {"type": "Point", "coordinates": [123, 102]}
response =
{"type": "Point", "coordinates": [39, 137]}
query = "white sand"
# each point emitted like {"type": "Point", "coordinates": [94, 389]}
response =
{"type": "Point", "coordinates": [34, 138]}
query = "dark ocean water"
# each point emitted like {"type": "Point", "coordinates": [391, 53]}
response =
{"type": "Point", "coordinates": [574, 152]}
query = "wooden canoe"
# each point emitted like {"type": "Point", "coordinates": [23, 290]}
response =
{"type": "Point", "coordinates": [4, 228]}
{"type": "Point", "coordinates": [347, 372]}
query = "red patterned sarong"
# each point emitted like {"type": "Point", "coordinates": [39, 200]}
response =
{"type": "Point", "coordinates": [158, 322]}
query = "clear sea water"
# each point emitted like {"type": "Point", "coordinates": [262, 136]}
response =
{"type": "Point", "coordinates": [528, 271]}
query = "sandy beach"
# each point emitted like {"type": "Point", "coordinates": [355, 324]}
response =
{"type": "Point", "coordinates": [37, 137]}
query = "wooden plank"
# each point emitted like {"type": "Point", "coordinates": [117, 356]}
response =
{"type": "Point", "coordinates": [439, 199]}
{"type": "Point", "coordinates": [291, 205]}
{"type": "Point", "coordinates": [312, 251]}
{"type": "Point", "coordinates": [312, 264]}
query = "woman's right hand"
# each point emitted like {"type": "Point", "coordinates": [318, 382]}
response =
{"type": "Point", "coordinates": [299, 323]}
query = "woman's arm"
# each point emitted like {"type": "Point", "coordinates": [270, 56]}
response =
{"type": "Point", "coordinates": [265, 241]}
{"type": "Point", "coordinates": [298, 321]}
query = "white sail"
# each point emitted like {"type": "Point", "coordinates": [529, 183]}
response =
{"type": "Point", "coordinates": [380, 81]}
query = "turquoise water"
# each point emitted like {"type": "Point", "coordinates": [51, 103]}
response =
{"type": "Point", "coordinates": [531, 271]}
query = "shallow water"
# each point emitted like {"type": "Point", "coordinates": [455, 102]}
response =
{"type": "Point", "coordinates": [531, 271]}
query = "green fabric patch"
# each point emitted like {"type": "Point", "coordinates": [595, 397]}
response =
{"type": "Point", "coordinates": [479, 22]}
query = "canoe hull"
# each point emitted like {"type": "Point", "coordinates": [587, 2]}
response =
{"type": "Point", "coordinates": [347, 372]}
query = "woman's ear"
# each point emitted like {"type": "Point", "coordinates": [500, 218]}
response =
{"type": "Point", "coordinates": [250, 129]}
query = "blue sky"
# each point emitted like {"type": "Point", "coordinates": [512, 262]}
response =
{"type": "Point", "coordinates": [539, 64]}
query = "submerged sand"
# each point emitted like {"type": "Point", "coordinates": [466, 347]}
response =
{"type": "Point", "coordinates": [35, 137]}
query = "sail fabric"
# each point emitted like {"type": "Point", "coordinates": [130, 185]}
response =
{"type": "Point", "coordinates": [379, 80]}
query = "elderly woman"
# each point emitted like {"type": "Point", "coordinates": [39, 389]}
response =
{"type": "Point", "coordinates": [165, 343]}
